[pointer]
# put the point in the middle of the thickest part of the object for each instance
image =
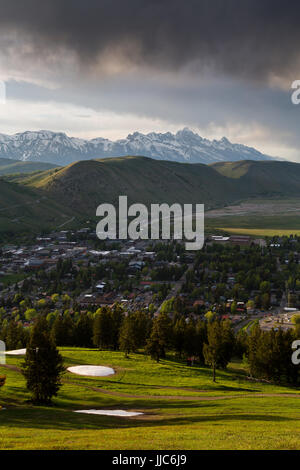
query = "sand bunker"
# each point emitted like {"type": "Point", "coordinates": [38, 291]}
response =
{"type": "Point", "coordinates": [16, 352]}
{"type": "Point", "coordinates": [122, 413]}
{"type": "Point", "coordinates": [93, 371]}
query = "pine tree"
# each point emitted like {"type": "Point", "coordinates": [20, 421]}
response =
{"type": "Point", "coordinates": [142, 328]}
{"type": "Point", "coordinates": [68, 327]}
{"type": "Point", "coordinates": [160, 337]}
{"type": "Point", "coordinates": [103, 329]}
{"type": "Point", "coordinates": [43, 365]}
{"type": "Point", "coordinates": [83, 331]}
{"type": "Point", "coordinates": [14, 335]}
{"type": "Point", "coordinates": [253, 348]}
{"type": "Point", "coordinates": [127, 338]}
{"type": "Point", "coordinates": [220, 345]}
{"type": "Point", "coordinates": [241, 344]}
{"type": "Point", "coordinates": [58, 331]}
{"type": "Point", "coordinates": [270, 356]}
{"type": "Point", "coordinates": [212, 349]}
{"type": "Point", "coordinates": [117, 316]}
{"type": "Point", "coordinates": [228, 343]}
{"type": "Point", "coordinates": [201, 338]}
{"type": "Point", "coordinates": [179, 335]}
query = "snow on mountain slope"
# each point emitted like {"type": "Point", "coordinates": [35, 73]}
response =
{"type": "Point", "coordinates": [184, 146]}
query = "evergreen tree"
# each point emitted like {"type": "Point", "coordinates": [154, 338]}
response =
{"type": "Point", "coordinates": [15, 335]}
{"type": "Point", "coordinates": [241, 344]}
{"type": "Point", "coordinates": [270, 356]}
{"type": "Point", "coordinates": [57, 331]}
{"type": "Point", "coordinates": [220, 345]}
{"type": "Point", "coordinates": [103, 329]}
{"type": "Point", "coordinates": [190, 345]}
{"type": "Point", "coordinates": [253, 349]}
{"type": "Point", "coordinates": [201, 338]}
{"type": "Point", "coordinates": [68, 327]}
{"type": "Point", "coordinates": [179, 335]}
{"type": "Point", "coordinates": [43, 364]}
{"type": "Point", "coordinates": [83, 331]}
{"type": "Point", "coordinates": [117, 316]}
{"type": "Point", "coordinates": [127, 336]}
{"type": "Point", "coordinates": [142, 328]}
{"type": "Point", "coordinates": [212, 349]}
{"type": "Point", "coordinates": [228, 343]}
{"type": "Point", "coordinates": [160, 337]}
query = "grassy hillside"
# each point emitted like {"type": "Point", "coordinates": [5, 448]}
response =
{"type": "Point", "coordinates": [84, 185]}
{"type": "Point", "coordinates": [8, 166]}
{"type": "Point", "coordinates": [25, 209]}
{"type": "Point", "coordinates": [266, 177]}
{"type": "Point", "coordinates": [183, 408]}
{"type": "Point", "coordinates": [77, 189]}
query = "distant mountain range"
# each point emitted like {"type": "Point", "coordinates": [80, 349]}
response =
{"type": "Point", "coordinates": [184, 146]}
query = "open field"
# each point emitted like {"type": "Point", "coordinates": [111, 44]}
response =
{"type": "Point", "coordinates": [182, 408]}
{"type": "Point", "coordinates": [261, 217]}
{"type": "Point", "coordinates": [257, 206]}
{"type": "Point", "coordinates": [268, 232]}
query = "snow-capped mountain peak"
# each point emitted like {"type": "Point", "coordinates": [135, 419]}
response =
{"type": "Point", "coordinates": [184, 146]}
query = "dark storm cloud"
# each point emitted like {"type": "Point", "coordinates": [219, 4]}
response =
{"type": "Point", "coordinates": [249, 38]}
{"type": "Point", "coordinates": [217, 101]}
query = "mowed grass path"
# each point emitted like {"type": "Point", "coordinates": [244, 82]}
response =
{"type": "Point", "coordinates": [231, 414]}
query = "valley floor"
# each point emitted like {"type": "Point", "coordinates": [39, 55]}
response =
{"type": "Point", "coordinates": [256, 217]}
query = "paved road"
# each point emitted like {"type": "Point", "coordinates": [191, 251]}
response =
{"type": "Point", "coordinates": [67, 222]}
{"type": "Point", "coordinates": [177, 286]}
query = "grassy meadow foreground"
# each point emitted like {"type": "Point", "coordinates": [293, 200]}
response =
{"type": "Point", "coordinates": [183, 408]}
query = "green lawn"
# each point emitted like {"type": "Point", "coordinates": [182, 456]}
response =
{"type": "Point", "coordinates": [182, 408]}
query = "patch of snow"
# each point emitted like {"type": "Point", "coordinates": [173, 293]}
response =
{"type": "Point", "coordinates": [16, 352]}
{"type": "Point", "coordinates": [122, 413]}
{"type": "Point", "coordinates": [92, 371]}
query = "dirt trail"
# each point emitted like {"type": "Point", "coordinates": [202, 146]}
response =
{"type": "Point", "coordinates": [170, 397]}
{"type": "Point", "coordinates": [182, 397]}
{"type": "Point", "coordinates": [15, 368]}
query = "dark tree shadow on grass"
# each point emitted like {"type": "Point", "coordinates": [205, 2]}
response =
{"type": "Point", "coordinates": [45, 418]}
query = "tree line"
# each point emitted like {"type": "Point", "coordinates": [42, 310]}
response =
{"type": "Point", "coordinates": [213, 342]}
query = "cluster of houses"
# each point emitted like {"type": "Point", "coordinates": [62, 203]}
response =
{"type": "Point", "coordinates": [82, 248]}
{"type": "Point", "coordinates": [47, 250]}
{"type": "Point", "coordinates": [42, 254]}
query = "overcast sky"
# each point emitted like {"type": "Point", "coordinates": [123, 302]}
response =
{"type": "Point", "coordinates": [111, 67]}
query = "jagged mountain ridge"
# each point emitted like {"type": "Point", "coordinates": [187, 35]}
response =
{"type": "Point", "coordinates": [184, 146]}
